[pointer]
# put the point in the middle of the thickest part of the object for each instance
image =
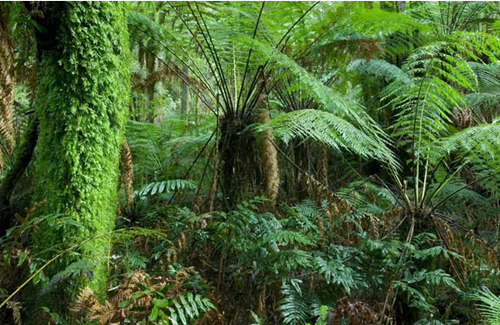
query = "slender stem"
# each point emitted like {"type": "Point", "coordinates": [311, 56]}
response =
{"type": "Point", "coordinates": [202, 48]}
{"type": "Point", "coordinates": [461, 188]}
{"type": "Point", "coordinates": [262, 67]}
{"type": "Point", "coordinates": [247, 64]}
{"type": "Point", "coordinates": [192, 165]}
{"type": "Point", "coordinates": [198, 73]}
{"type": "Point", "coordinates": [426, 169]}
{"type": "Point", "coordinates": [225, 83]}
{"type": "Point", "coordinates": [444, 183]}
{"type": "Point", "coordinates": [67, 250]}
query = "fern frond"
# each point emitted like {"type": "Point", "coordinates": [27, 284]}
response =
{"type": "Point", "coordinates": [77, 269]}
{"type": "Point", "coordinates": [166, 186]}
{"type": "Point", "coordinates": [332, 130]}
{"type": "Point", "coordinates": [479, 144]}
{"type": "Point", "coordinates": [489, 306]}
{"type": "Point", "coordinates": [288, 237]}
{"type": "Point", "coordinates": [335, 272]}
{"type": "Point", "coordinates": [293, 307]}
{"type": "Point", "coordinates": [185, 309]}
{"type": "Point", "coordinates": [379, 68]}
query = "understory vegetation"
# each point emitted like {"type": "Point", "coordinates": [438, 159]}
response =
{"type": "Point", "coordinates": [249, 163]}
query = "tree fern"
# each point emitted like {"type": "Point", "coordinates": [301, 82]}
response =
{"type": "Point", "coordinates": [379, 68]}
{"type": "Point", "coordinates": [341, 123]}
{"type": "Point", "coordinates": [423, 92]}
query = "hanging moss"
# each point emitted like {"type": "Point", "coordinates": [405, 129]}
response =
{"type": "Point", "coordinates": [82, 100]}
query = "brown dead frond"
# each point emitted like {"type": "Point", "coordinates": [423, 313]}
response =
{"type": "Point", "coordinates": [354, 312]}
{"type": "Point", "coordinates": [88, 308]}
{"type": "Point", "coordinates": [6, 87]}
{"type": "Point", "coordinates": [86, 305]}
{"type": "Point", "coordinates": [178, 248]}
{"type": "Point", "coordinates": [127, 170]}
{"type": "Point", "coordinates": [462, 117]}
{"type": "Point", "coordinates": [16, 307]}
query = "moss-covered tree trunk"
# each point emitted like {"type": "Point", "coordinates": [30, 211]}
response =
{"type": "Point", "coordinates": [82, 99]}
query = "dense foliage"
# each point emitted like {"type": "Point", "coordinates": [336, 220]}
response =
{"type": "Point", "coordinates": [249, 163]}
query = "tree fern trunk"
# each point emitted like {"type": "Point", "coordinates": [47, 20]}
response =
{"type": "Point", "coordinates": [215, 181]}
{"type": "Point", "coordinates": [82, 100]}
{"type": "Point", "coordinates": [6, 85]}
{"type": "Point", "coordinates": [269, 159]}
{"type": "Point", "coordinates": [185, 93]}
{"type": "Point", "coordinates": [150, 88]}
{"type": "Point", "coordinates": [238, 164]}
{"type": "Point", "coordinates": [126, 170]}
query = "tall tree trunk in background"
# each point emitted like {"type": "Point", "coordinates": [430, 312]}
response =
{"type": "Point", "coordinates": [268, 155]}
{"type": "Point", "coordinates": [185, 93]}
{"type": "Point", "coordinates": [197, 110]}
{"type": "Point", "coordinates": [6, 85]}
{"type": "Point", "coordinates": [151, 84]}
{"type": "Point", "coordinates": [82, 103]}
{"type": "Point", "coordinates": [401, 6]}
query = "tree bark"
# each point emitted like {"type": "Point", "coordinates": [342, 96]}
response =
{"type": "Point", "coordinates": [82, 103]}
{"type": "Point", "coordinates": [268, 156]}
{"type": "Point", "coordinates": [127, 170]}
{"type": "Point", "coordinates": [401, 6]}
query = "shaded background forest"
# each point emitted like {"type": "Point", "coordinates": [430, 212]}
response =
{"type": "Point", "coordinates": [249, 163]}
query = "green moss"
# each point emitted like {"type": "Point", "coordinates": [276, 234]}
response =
{"type": "Point", "coordinates": [82, 101]}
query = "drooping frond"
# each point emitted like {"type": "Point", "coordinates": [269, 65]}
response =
{"type": "Point", "coordinates": [423, 108]}
{"type": "Point", "coordinates": [485, 102]}
{"type": "Point", "coordinates": [341, 122]}
{"type": "Point", "coordinates": [332, 130]}
{"type": "Point", "coordinates": [474, 139]}
{"type": "Point", "coordinates": [379, 68]}
{"type": "Point", "coordinates": [489, 306]}
{"type": "Point", "coordinates": [479, 148]}
{"type": "Point", "coordinates": [293, 307]}
{"type": "Point", "coordinates": [367, 31]}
